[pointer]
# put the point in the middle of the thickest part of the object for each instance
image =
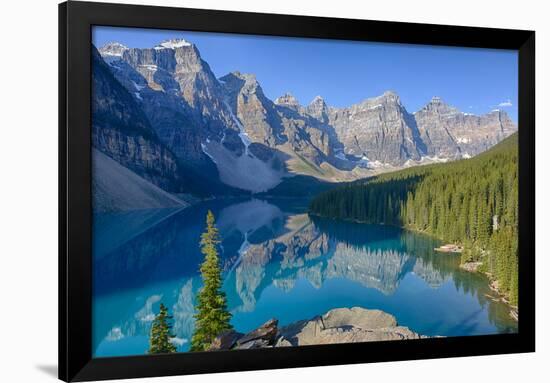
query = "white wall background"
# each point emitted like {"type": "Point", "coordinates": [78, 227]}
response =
{"type": "Point", "coordinates": [28, 192]}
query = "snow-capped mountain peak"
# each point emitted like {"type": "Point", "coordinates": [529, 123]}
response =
{"type": "Point", "coordinates": [173, 44]}
{"type": "Point", "coordinates": [113, 49]}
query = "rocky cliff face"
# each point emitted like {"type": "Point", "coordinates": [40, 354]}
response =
{"type": "Point", "coordinates": [378, 129]}
{"type": "Point", "coordinates": [190, 111]}
{"type": "Point", "coordinates": [180, 95]}
{"type": "Point", "coordinates": [282, 129]}
{"type": "Point", "coordinates": [175, 66]}
{"type": "Point", "coordinates": [450, 133]}
{"type": "Point", "coordinates": [229, 131]}
{"type": "Point", "coordinates": [282, 125]}
{"type": "Point", "coordinates": [308, 136]}
{"type": "Point", "coordinates": [122, 131]}
{"type": "Point", "coordinates": [381, 131]}
{"type": "Point", "coordinates": [318, 109]}
{"type": "Point", "coordinates": [254, 110]}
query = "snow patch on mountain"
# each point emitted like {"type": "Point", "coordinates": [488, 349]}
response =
{"type": "Point", "coordinates": [113, 49]}
{"type": "Point", "coordinates": [375, 106]}
{"type": "Point", "coordinates": [173, 44]}
{"type": "Point", "coordinates": [242, 132]}
{"type": "Point", "coordinates": [244, 172]}
{"type": "Point", "coordinates": [137, 86]}
{"type": "Point", "coordinates": [149, 67]}
{"type": "Point", "coordinates": [433, 159]}
{"type": "Point", "coordinates": [463, 140]}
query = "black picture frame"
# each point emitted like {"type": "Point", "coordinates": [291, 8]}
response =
{"type": "Point", "coordinates": [75, 267]}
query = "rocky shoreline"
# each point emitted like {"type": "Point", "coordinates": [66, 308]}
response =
{"type": "Point", "coordinates": [341, 325]}
{"type": "Point", "coordinates": [473, 267]}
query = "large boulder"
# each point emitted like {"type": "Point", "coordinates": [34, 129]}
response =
{"type": "Point", "coordinates": [225, 341]}
{"type": "Point", "coordinates": [263, 336]}
{"type": "Point", "coordinates": [345, 325]}
{"type": "Point", "coordinates": [358, 317]}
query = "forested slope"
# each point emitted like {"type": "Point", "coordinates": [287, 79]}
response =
{"type": "Point", "coordinates": [473, 202]}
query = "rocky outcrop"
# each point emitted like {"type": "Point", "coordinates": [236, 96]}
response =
{"type": "Point", "coordinates": [283, 126]}
{"type": "Point", "coordinates": [345, 325]}
{"type": "Point", "coordinates": [378, 129]}
{"type": "Point", "coordinates": [341, 325]}
{"type": "Point", "coordinates": [449, 133]}
{"type": "Point", "coordinates": [180, 95]}
{"type": "Point", "coordinates": [225, 341]}
{"type": "Point", "coordinates": [318, 109]}
{"type": "Point", "coordinates": [263, 336]}
{"type": "Point", "coordinates": [175, 66]}
{"type": "Point", "coordinates": [121, 130]}
{"type": "Point", "coordinates": [257, 113]}
{"type": "Point", "coordinates": [152, 132]}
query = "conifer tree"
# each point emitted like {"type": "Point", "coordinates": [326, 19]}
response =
{"type": "Point", "coordinates": [212, 316]}
{"type": "Point", "coordinates": [161, 333]}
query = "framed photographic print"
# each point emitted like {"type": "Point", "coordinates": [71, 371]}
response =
{"type": "Point", "coordinates": [248, 191]}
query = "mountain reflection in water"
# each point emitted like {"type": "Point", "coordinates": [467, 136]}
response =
{"type": "Point", "coordinates": [278, 262]}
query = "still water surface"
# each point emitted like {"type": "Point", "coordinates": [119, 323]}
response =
{"type": "Point", "coordinates": [278, 262]}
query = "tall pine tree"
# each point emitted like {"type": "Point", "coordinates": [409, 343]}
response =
{"type": "Point", "coordinates": [212, 317]}
{"type": "Point", "coordinates": [161, 333]}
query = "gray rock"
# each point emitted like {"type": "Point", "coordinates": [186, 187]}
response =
{"type": "Point", "coordinates": [450, 133]}
{"type": "Point", "coordinates": [358, 317]}
{"type": "Point", "coordinates": [345, 326]}
{"type": "Point", "coordinates": [318, 109]}
{"type": "Point", "coordinates": [256, 112]}
{"type": "Point", "coordinates": [225, 341]}
{"type": "Point", "coordinates": [263, 336]}
{"type": "Point", "coordinates": [282, 126]}
{"type": "Point", "coordinates": [122, 131]}
{"type": "Point", "coordinates": [379, 129]}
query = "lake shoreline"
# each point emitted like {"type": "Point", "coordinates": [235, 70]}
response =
{"type": "Point", "coordinates": [339, 325]}
{"type": "Point", "coordinates": [471, 267]}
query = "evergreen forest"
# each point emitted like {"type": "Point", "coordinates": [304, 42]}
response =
{"type": "Point", "coordinates": [472, 202]}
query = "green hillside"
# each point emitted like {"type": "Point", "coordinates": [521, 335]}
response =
{"type": "Point", "coordinates": [473, 202]}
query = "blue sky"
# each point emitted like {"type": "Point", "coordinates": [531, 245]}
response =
{"type": "Point", "coordinates": [346, 72]}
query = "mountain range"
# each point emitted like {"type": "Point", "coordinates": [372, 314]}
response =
{"type": "Point", "coordinates": [161, 113]}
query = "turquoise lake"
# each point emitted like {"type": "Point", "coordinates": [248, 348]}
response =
{"type": "Point", "coordinates": [278, 262]}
